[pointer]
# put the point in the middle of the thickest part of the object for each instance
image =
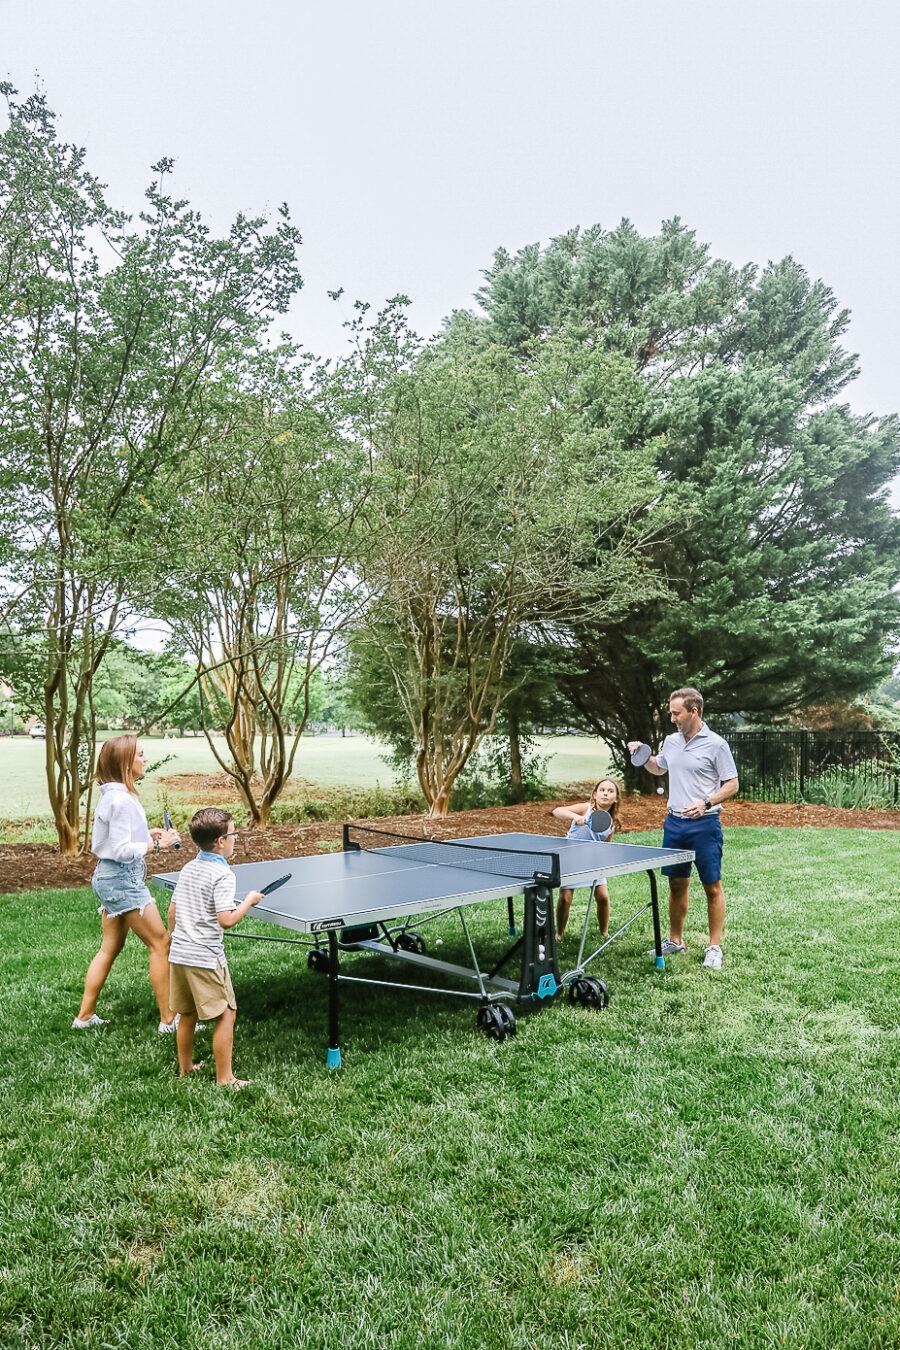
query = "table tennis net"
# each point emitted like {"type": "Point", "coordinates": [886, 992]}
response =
{"type": "Point", "coordinates": [518, 864]}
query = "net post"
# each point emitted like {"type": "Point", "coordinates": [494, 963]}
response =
{"type": "Point", "coordinates": [349, 845]}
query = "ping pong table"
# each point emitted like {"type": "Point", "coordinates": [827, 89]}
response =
{"type": "Point", "coordinates": [379, 893]}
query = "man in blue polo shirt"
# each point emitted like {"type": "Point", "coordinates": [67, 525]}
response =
{"type": "Point", "coordinates": [702, 775]}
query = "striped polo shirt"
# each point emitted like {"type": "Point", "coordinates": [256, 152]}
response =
{"type": "Point", "coordinates": [205, 889]}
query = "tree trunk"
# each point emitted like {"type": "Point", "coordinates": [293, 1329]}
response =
{"type": "Point", "coordinates": [515, 755]}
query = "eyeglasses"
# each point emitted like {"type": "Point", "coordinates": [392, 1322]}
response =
{"type": "Point", "coordinates": [232, 834]}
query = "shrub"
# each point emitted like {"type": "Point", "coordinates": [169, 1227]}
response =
{"type": "Point", "coordinates": [487, 778]}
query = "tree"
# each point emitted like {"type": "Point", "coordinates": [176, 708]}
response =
{"type": "Point", "coordinates": [265, 530]}
{"type": "Point", "coordinates": [504, 507]}
{"type": "Point", "coordinates": [107, 334]}
{"type": "Point", "coordinates": [783, 553]}
{"type": "Point", "coordinates": [142, 690]}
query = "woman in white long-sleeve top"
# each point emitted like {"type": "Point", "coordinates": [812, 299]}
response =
{"type": "Point", "coordinates": [121, 841]}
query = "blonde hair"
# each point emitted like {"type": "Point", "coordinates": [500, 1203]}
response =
{"type": "Point", "coordinates": [115, 762]}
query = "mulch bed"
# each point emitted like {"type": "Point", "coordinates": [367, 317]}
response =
{"type": "Point", "coordinates": [31, 867]}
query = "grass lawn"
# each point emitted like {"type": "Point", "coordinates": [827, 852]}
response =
{"type": "Point", "coordinates": [327, 761]}
{"type": "Point", "coordinates": [711, 1162]}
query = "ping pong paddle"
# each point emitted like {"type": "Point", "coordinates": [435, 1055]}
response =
{"type": "Point", "coordinates": [640, 755]}
{"type": "Point", "coordinates": [273, 885]}
{"type": "Point", "coordinates": [599, 821]}
{"type": "Point", "coordinates": [167, 821]}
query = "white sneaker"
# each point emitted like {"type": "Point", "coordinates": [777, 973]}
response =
{"type": "Point", "coordinates": [669, 948]}
{"type": "Point", "coordinates": [81, 1024]}
{"type": "Point", "coordinates": [713, 958]}
{"type": "Point", "coordinates": [169, 1028]}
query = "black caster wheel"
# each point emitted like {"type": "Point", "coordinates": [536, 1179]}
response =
{"type": "Point", "coordinates": [492, 1023]}
{"type": "Point", "coordinates": [317, 960]}
{"type": "Point", "coordinates": [589, 993]}
{"type": "Point", "coordinates": [509, 1019]}
{"type": "Point", "coordinates": [411, 942]}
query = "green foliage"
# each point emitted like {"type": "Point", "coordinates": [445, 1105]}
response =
{"type": "Point", "coordinates": [108, 334]}
{"type": "Point", "coordinates": [135, 689]}
{"type": "Point", "coordinates": [504, 499]}
{"type": "Point", "coordinates": [842, 787]}
{"type": "Point", "coordinates": [264, 528]}
{"type": "Point", "coordinates": [318, 803]}
{"type": "Point", "coordinates": [781, 552]}
{"type": "Point", "coordinates": [488, 778]}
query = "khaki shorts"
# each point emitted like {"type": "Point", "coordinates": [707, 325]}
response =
{"type": "Point", "coordinates": [199, 992]}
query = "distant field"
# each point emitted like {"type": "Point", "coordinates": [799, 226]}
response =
{"type": "Point", "coordinates": [328, 761]}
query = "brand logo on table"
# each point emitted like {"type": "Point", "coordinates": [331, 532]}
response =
{"type": "Point", "coordinates": [326, 925]}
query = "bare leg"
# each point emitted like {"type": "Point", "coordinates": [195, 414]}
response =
{"type": "Point", "coordinates": [223, 1045]}
{"type": "Point", "coordinates": [152, 931]}
{"type": "Point", "coordinates": [114, 931]}
{"type": "Point", "coordinates": [715, 905]}
{"type": "Point", "coordinates": [678, 906]}
{"type": "Point", "coordinates": [563, 905]}
{"type": "Point", "coordinates": [184, 1039]}
{"type": "Point", "coordinates": [601, 895]}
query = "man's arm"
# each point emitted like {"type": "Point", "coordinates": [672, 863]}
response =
{"type": "Point", "coordinates": [721, 794]}
{"type": "Point", "coordinates": [724, 791]}
{"type": "Point", "coordinates": [653, 765]}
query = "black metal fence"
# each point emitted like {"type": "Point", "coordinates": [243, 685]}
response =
{"type": "Point", "coordinates": [850, 768]}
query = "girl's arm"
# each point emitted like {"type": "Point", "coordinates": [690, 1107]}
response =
{"type": "Point", "coordinates": [577, 811]}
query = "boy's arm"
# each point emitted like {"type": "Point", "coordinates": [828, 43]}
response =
{"type": "Point", "coordinates": [229, 917]}
{"type": "Point", "coordinates": [170, 917]}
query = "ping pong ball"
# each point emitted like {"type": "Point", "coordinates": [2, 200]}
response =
{"type": "Point", "coordinates": [660, 791]}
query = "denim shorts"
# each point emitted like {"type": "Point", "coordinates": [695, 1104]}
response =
{"type": "Point", "coordinates": [704, 836]}
{"type": "Point", "coordinates": [120, 887]}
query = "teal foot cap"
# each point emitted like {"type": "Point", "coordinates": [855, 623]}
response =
{"type": "Point", "coordinates": [333, 1059]}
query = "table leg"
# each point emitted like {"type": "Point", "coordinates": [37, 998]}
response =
{"type": "Point", "coordinates": [657, 932]}
{"type": "Point", "coordinates": [333, 1059]}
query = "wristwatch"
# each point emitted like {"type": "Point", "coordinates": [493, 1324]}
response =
{"type": "Point", "coordinates": [707, 803]}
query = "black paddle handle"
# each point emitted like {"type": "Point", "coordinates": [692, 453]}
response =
{"type": "Point", "coordinates": [273, 885]}
{"type": "Point", "coordinates": [167, 821]}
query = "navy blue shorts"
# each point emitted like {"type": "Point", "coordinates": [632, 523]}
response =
{"type": "Point", "coordinates": [704, 836]}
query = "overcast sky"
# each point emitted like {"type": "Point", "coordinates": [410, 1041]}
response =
{"type": "Point", "coordinates": [411, 139]}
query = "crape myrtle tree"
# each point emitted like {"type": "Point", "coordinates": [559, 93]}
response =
{"type": "Point", "coordinates": [263, 534]}
{"type": "Point", "coordinates": [783, 554]}
{"type": "Point", "coordinates": [107, 332]}
{"type": "Point", "coordinates": [508, 500]}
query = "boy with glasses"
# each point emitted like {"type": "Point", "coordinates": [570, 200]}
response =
{"type": "Point", "coordinates": [202, 907]}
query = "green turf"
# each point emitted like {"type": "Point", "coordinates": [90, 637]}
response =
{"type": "Point", "coordinates": [711, 1162]}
